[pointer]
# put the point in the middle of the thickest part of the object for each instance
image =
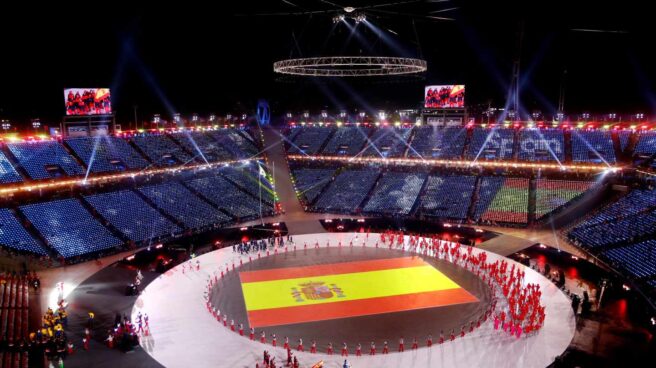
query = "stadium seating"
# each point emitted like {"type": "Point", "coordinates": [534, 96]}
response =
{"type": "Point", "coordinates": [8, 174]}
{"type": "Point", "coordinates": [14, 319]}
{"type": "Point", "coordinates": [161, 150]}
{"type": "Point", "coordinates": [624, 136]}
{"type": "Point", "coordinates": [488, 188]}
{"type": "Point", "coordinates": [630, 218]}
{"type": "Point", "coordinates": [131, 215]}
{"type": "Point", "coordinates": [552, 195]}
{"type": "Point", "coordinates": [234, 142]}
{"type": "Point", "coordinates": [541, 145]}
{"type": "Point", "coordinates": [510, 202]}
{"type": "Point", "coordinates": [395, 193]}
{"type": "Point", "coordinates": [387, 142]}
{"type": "Point", "coordinates": [249, 179]}
{"type": "Point", "coordinates": [347, 141]}
{"type": "Point", "coordinates": [309, 139]}
{"type": "Point", "coordinates": [310, 182]}
{"type": "Point", "coordinates": [347, 191]}
{"type": "Point", "coordinates": [639, 260]}
{"type": "Point", "coordinates": [203, 147]}
{"type": "Point", "coordinates": [622, 229]}
{"type": "Point", "coordinates": [646, 143]}
{"type": "Point", "coordinates": [229, 198]}
{"type": "Point", "coordinates": [45, 159]}
{"type": "Point", "coordinates": [439, 143]}
{"type": "Point", "coordinates": [447, 196]}
{"type": "Point", "coordinates": [105, 154]}
{"type": "Point", "coordinates": [637, 201]}
{"type": "Point", "coordinates": [491, 144]}
{"type": "Point", "coordinates": [14, 236]}
{"type": "Point", "coordinates": [69, 228]}
{"type": "Point", "coordinates": [592, 146]}
{"type": "Point", "coordinates": [180, 203]}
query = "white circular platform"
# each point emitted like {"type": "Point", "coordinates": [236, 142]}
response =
{"type": "Point", "coordinates": [184, 334]}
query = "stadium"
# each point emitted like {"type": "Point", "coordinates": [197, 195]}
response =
{"type": "Point", "coordinates": [368, 198]}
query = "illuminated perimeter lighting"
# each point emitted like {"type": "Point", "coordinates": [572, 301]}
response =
{"type": "Point", "coordinates": [457, 163]}
{"type": "Point", "coordinates": [350, 66]}
{"type": "Point", "coordinates": [113, 177]}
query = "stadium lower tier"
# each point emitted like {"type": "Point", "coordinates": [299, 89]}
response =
{"type": "Point", "coordinates": [102, 223]}
{"type": "Point", "coordinates": [447, 196]}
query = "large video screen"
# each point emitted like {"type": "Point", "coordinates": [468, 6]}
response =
{"type": "Point", "coordinates": [440, 97]}
{"type": "Point", "coordinates": [88, 101]}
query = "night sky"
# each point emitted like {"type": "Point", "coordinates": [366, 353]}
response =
{"type": "Point", "coordinates": [168, 59]}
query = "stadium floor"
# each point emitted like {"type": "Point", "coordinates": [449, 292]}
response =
{"type": "Point", "coordinates": [457, 298]}
{"type": "Point", "coordinates": [184, 334]}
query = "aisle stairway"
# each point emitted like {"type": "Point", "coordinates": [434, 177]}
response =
{"type": "Point", "coordinates": [294, 216]}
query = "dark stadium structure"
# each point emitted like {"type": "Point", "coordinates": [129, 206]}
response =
{"type": "Point", "coordinates": [210, 205]}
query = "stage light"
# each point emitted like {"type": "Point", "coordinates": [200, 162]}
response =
{"type": "Point", "coordinates": [362, 114]}
{"type": "Point", "coordinates": [382, 115]}
{"type": "Point", "coordinates": [159, 246]}
{"type": "Point", "coordinates": [543, 246]}
{"type": "Point", "coordinates": [176, 117]}
{"type": "Point", "coordinates": [194, 118]}
{"type": "Point", "coordinates": [324, 114]}
{"type": "Point", "coordinates": [212, 117]}
{"type": "Point", "coordinates": [289, 115]}
{"type": "Point", "coordinates": [306, 114]}
{"type": "Point", "coordinates": [243, 116]}
{"type": "Point", "coordinates": [130, 258]}
{"type": "Point", "coordinates": [626, 287]}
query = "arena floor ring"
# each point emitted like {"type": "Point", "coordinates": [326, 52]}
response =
{"type": "Point", "coordinates": [265, 293]}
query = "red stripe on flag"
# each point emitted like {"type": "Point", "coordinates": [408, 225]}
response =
{"type": "Point", "coordinates": [355, 308]}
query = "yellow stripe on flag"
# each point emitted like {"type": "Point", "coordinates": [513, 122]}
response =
{"type": "Point", "coordinates": [353, 286]}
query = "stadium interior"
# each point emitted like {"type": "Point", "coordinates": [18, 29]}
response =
{"type": "Point", "coordinates": [463, 233]}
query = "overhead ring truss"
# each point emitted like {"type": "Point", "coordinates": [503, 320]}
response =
{"type": "Point", "coordinates": [350, 66]}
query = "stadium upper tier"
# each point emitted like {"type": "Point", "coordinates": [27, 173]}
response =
{"type": "Point", "coordinates": [80, 157]}
{"type": "Point", "coordinates": [469, 143]}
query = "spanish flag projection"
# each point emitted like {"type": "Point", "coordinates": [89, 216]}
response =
{"type": "Point", "coordinates": [340, 290]}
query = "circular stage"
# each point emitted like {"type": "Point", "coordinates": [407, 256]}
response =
{"type": "Point", "coordinates": [351, 294]}
{"type": "Point", "coordinates": [184, 333]}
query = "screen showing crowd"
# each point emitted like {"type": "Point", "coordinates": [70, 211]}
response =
{"type": "Point", "coordinates": [88, 101]}
{"type": "Point", "coordinates": [439, 97]}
